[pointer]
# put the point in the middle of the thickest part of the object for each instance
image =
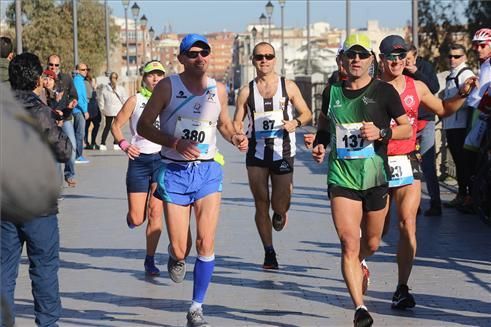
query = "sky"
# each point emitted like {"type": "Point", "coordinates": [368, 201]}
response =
{"type": "Point", "coordinates": [203, 17]}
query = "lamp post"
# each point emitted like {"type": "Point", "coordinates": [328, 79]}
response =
{"type": "Point", "coordinates": [414, 19]}
{"type": "Point", "coordinates": [108, 46]}
{"type": "Point", "coordinates": [143, 23]}
{"type": "Point", "coordinates": [75, 33]}
{"type": "Point", "coordinates": [262, 21]}
{"type": "Point", "coordinates": [135, 11]}
{"type": "Point", "coordinates": [151, 33]}
{"type": "Point", "coordinates": [18, 26]}
{"type": "Point", "coordinates": [308, 70]}
{"type": "Point", "coordinates": [126, 3]}
{"type": "Point", "coordinates": [269, 12]}
{"type": "Point", "coordinates": [254, 34]}
{"type": "Point", "coordinates": [348, 18]}
{"type": "Point", "coordinates": [282, 5]}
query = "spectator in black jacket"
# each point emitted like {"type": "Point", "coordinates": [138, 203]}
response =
{"type": "Point", "coordinates": [41, 233]}
{"type": "Point", "coordinates": [423, 70]}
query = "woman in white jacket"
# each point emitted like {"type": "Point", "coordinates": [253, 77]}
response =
{"type": "Point", "coordinates": [111, 99]}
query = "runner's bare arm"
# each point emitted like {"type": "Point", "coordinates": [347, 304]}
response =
{"type": "Point", "coordinates": [225, 125]}
{"type": "Point", "coordinates": [121, 119]}
{"type": "Point", "coordinates": [444, 108]}
{"type": "Point", "coordinates": [241, 109]}
{"type": "Point", "coordinates": [305, 115]}
{"type": "Point", "coordinates": [400, 132]}
{"type": "Point", "coordinates": [160, 98]}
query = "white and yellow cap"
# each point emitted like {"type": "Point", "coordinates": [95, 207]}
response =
{"type": "Point", "coordinates": [153, 66]}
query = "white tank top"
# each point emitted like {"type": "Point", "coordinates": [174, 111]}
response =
{"type": "Point", "coordinates": [191, 117]}
{"type": "Point", "coordinates": [267, 140]}
{"type": "Point", "coordinates": [143, 144]}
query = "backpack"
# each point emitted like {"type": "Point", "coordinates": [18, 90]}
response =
{"type": "Point", "coordinates": [456, 78]}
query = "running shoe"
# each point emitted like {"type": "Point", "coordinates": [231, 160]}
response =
{"type": "Point", "coordinates": [150, 267]}
{"type": "Point", "coordinates": [196, 319]}
{"type": "Point", "coordinates": [270, 261]}
{"type": "Point", "coordinates": [81, 160]}
{"type": "Point", "coordinates": [71, 182]}
{"type": "Point", "coordinates": [362, 318]}
{"type": "Point", "coordinates": [402, 299]}
{"type": "Point", "coordinates": [176, 269]}
{"type": "Point", "coordinates": [103, 147]}
{"type": "Point", "coordinates": [366, 277]}
{"type": "Point", "coordinates": [279, 221]}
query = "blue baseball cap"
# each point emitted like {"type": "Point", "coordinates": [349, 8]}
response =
{"type": "Point", "coordinates": [189, 40]}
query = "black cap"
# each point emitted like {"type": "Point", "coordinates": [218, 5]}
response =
{"type": "Point", "coordinates": [392, 43]}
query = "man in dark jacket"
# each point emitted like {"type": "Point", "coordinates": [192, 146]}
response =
{"type": "Point", "coordinates": [41, 234]}
{"type": "Point", "coordinates": [423, 70]}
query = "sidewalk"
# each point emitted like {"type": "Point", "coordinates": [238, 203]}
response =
{"type": "Point", "coordinates": [103, 284]}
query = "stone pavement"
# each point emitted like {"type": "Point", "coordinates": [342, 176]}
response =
{"type": "Point", "coordinates": [103, 284]}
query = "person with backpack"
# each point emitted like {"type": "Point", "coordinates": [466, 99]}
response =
{"type": "Point", "coordinates": [456, 125]}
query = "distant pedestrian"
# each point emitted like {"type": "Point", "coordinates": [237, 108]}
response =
{"type": "Point", "coordinates": [94, 113]}
{"type": "Point", "coordinates": [80, 112]}
{"type": "Point", "coordinates": [111, 100]}
{"type": "Point", "coordinates": [6, 55]}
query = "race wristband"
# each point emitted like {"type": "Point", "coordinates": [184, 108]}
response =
{"type": "Point", "coordinates": [124, 145]}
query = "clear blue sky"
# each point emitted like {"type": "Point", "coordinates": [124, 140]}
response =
{"type": "Point", "coordinates": [187, 16]}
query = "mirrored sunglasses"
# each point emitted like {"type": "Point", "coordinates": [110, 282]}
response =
{"type": "Point", "coordinates": [395, 56]}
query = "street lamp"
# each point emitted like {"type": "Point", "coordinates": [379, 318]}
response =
{"type": "Point", "coordinates": [254, 34]}
{"type": "Point", "coordinates": [126, 3]}
{"type": "Point", "coordinates": [262, 21]}
{"type": "Point", "coordinates": [108, 46]}
{"type": "Point", "coordinates": [151, 33]}
{"type": "Point", "coordinates": [282, 5]}
{"type": "Point", "coordinates": [143, 23]}
{"type": "Point", "coordinates": [269, 12]}
{"type": "Point", "coordinates": [135, 11]}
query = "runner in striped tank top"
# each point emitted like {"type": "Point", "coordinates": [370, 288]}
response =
{"type": "Point", "coordinates": [274, 108]}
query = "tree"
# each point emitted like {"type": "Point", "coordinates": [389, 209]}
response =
{"type": "Point", "coordinates": [479, 15]}
{"type": "Point", "coordinates": [48, 29]}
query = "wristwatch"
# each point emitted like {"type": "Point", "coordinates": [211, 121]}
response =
{"type": "Point", "coordinates": [385, 134]}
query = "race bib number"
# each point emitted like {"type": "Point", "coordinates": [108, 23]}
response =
{"type": "Point", "coordinates": [268, 124]}
{"type": "Point", "coordinates": [401, 172]}
{"type": "Point", "coordinates": [350, 144]}
{"type": "Point", "coordinates": [199, 131]}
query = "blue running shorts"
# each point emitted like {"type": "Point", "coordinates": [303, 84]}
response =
{"type": "Point", "coordinates": [184, 184]}
{"type": "Point", "coordinates": [140, 173]}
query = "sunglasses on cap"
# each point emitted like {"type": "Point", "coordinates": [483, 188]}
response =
{"type": "Point", "coordinates": [260, 57]}
{"type": "Point", "coordinates": [55, 65]}
{"type": "Point", "coordinates": [395, 56]}
{"type": "Point", "coordinates": [194, 54]}
{"type": "Point", "coordinates": [455, 56]}
{"type": "Point", "coordinates": [361, 54]}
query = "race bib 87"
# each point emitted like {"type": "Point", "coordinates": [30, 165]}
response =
{"type": "Point", "coordinates": [350, 144]}
{"type": "Point", "coordinates": [268, 124]}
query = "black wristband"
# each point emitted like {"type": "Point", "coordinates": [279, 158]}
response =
{"type": "Point", "coordinates": [322, 137]}
{"type": "Point", "coordinates": [298, 122]}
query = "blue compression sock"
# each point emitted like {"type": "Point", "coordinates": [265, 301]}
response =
{"type": "Point", "coordinates": [203, 270]}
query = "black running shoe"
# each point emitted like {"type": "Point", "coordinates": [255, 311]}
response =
{"type": "Point", "coordinates": [270, 261]}
{"type": "Point", "coordinates": [362, 318]}
{"type": "Point", "coordinates": [279, 221]}
{"type": "Point", "coordinates": [402, 299]}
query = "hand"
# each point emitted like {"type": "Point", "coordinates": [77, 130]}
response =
{"type": "Point", "coordinates": [59, 123]}
{"type": "Point", "coordinates": [133, 152]}
{"type": "Point", "coordinates": [58, 96]}
{"type": "Point", "coordinates": [308, 140]}
{"type": "Point", "coordinates": [369, 131]}
{"type": "Point", "coordinates": [468, 86]}
{"type": "Point", "coordinates": [411, 68]}
{"type": "Point", "coordinates": [72, 104]}
{"type": "Point", "coordinates": [240, 141]}
{"type": "Point", "coordinates": [86, 115]}
{"type": "Point", "coordinates": [290, 125]}
{"type": "Point", "coordinates": [188, 149]}
{"type": "Point", "coordinates": [318, 153]}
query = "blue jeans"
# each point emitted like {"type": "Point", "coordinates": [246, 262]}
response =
{"type": "Point", "coordinates": [42, 239]}
{"type": "Point", "coordinates": [70, 164]}
{"type": "Point", "coordinates": [428, 162]}
{"type": "Point", "coordinates": [79, 127]}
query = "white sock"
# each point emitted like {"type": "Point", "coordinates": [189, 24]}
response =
{"type": "Point", "coordinates": [361, 307]}
{"type": "Point", "coordinates": [195, 306]}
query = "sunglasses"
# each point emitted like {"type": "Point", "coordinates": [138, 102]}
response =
{"type": "Point", "coordinates": [51, 64]}
{"type": "Point", "coordinates": [362, 55]}
{"type": "Point", "coordinates": [480, 45]}
{"type": "Point", "coordinates": [395, 56]}
{"type": "Point", "coordinates": [260, 57]}
{"type": "Point", "coordinates": [194, 54]}
{"type": "Point", "coordinates": [455, 56]}
{"type": "Point", "coordinates": [84, 69]}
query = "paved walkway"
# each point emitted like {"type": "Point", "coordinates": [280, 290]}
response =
{"type": "Point", "coordinates": [103, 283]}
